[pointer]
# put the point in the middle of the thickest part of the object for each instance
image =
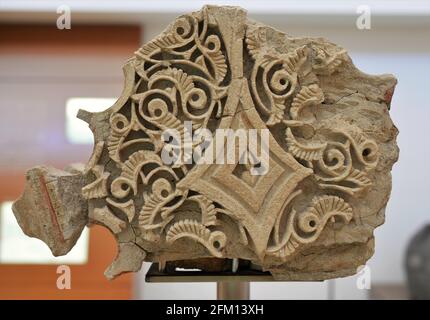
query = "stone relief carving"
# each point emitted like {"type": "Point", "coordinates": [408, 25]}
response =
{"type": "Point", "coordinates": [331, 149]}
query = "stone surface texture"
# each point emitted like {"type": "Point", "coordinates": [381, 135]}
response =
{"type": "Point", "coordinates": [332, 145]}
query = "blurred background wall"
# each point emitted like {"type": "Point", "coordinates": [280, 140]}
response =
{"type": "Point", "coordinates": [41, 67]}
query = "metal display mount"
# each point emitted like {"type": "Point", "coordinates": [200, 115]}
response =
{"type": "Point", "coordinates": [231, 285]}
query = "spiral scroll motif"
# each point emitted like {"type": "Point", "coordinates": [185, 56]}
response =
{"type": "Point", "coordinates": [185, 75]}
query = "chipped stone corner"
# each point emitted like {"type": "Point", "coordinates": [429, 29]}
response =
{"type": "Point", "coordinates": [51, 207]}
{"type": "Point", "coordinates": [129, 259]}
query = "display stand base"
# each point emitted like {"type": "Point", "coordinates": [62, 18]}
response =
{"type": "Point", "coordinates": [234, 290]}
{"type": "Point", "coordinates": [230, 285]}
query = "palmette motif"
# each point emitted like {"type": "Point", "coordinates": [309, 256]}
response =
{"type": "Point", "coordinates": [217, 70]}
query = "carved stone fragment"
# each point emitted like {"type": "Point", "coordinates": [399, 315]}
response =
{"type": "Point", "coordinates": [52, 207]}
{"type": "Point", "coordinates": [308, 213]}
